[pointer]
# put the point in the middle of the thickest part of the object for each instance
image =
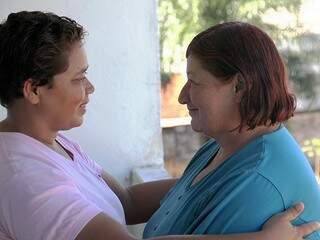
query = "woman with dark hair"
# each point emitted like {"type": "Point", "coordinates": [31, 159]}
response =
{"type": "Point", "coordinates": [50, 189]}
{"type": "Point", "coordinates": [237, 94]}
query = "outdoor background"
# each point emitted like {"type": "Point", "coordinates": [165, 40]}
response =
{"type": "Point", "coordinates": [292, 24]}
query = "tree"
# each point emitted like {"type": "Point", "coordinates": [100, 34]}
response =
{"type": "Point", "coordinates": [302, 56]}
{"type": "Point", "coordinates": [252, 11]}
{"type": "Point", "coordinates": [178, 22]}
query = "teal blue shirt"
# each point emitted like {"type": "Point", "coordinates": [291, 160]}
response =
{"type": "Point", "coordinates": [265, 177]}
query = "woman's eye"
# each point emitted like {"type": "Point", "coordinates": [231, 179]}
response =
{"type": "Point", "coordinates": [81, 79]}
{"type": "Point", "coordinates": [192, 82]}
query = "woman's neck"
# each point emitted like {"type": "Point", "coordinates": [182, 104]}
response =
{"type": "Point", "coordinates": [18, 120]}
{"type": "Point", "coordinates": [232, 141]}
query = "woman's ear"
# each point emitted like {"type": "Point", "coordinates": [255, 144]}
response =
{"type": "Point", "coordinates": [239, 87]}
{"type": "Point", "coordinates": [30, 91]}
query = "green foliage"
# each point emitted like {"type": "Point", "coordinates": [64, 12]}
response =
{"type": "Point", "coordinates": [311, 148]}
{"type": "Point", "coordinates": [303, 57]}
{"type": "Point", "coordinates": [178, 23]}
{"type": "Point", "coordinates": [165, 78]}
{"type": "Point", "coordinates": [252, 11]}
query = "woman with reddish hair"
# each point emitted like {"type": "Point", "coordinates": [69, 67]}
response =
{"type": "Point", "coordinates": [237, 94]}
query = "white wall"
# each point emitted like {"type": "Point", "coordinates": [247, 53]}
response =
{"type": "Point", "coordinates": [122, 126]}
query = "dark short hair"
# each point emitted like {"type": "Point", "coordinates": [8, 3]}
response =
{"type": "Point", "coordinates": [232, 48]}
{"type": "Point", "coordinates": [34, 45]}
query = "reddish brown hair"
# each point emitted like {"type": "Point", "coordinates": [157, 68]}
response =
{"type": "Point", "coordinates": [236, 48]}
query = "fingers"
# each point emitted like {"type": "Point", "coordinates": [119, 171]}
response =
{"type": "Point", "coordinates": [308, 228]}
{"type": "Point", "coordinates": [304, 229]}
{"type": "Point", "coordinates": [293, 212]}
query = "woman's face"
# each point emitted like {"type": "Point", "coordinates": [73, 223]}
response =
{"type": "Point", "coordinates": [212, 104]}
{"type": "Point", "coordinates": [63, 105]}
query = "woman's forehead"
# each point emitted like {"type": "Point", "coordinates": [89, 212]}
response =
{"type": "Point", "coordinates": [193, 65]}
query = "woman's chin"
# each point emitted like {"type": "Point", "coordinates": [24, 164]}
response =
{"type": "Point", "coordinates": [196, 126]}
{"type": "Point", "coordinates": [75, 123]}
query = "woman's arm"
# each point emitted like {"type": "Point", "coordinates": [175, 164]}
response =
{"type": "Point", "coordinates": [277, 227]}
{"type": "Point", "coordinates": [139, 201]}
{"type": "Point", "coordinates": [103, 227]}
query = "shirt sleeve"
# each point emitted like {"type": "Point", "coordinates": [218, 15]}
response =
{"type": "Point", "coordinates": [36, 206]}
{"type": "Point", "coordinates": [243, 204]}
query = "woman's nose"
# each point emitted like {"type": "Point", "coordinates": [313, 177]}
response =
{"type": "Point", "coordinates": [184, 94]}
{"type": "Point", "coordinates": [89, 87]}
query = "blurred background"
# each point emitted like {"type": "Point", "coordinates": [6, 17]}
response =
{"type": "Point", "coordinates": [294, 27]}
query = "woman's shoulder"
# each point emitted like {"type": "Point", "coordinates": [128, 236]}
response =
{"type": "Point", "coordinates": [284, 165]}
{"type": "Point", "coordinates": [267, 148]}
{"type": "Point", "coordinates": [15, 148]}
{"type": "Point", "coordinates": [23, 155]}
{"type": "Point", "coordinates": [281, 149]}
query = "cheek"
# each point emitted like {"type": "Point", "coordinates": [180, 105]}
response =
{"type": "Point", "coordinates": [208, 114]}
{"type": "Point", "coordinates": [211, 109]}
{"type": "Point", "coordinates": [77, 95]}
{"type": "Point", "coordinates": [195, 96]}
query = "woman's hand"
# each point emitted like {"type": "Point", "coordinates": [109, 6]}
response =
{"type": "Point", "coordinates": [279, 226]}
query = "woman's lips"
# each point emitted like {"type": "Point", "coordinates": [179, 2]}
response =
{"type": "Point", "coordinates": [83, 107]}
